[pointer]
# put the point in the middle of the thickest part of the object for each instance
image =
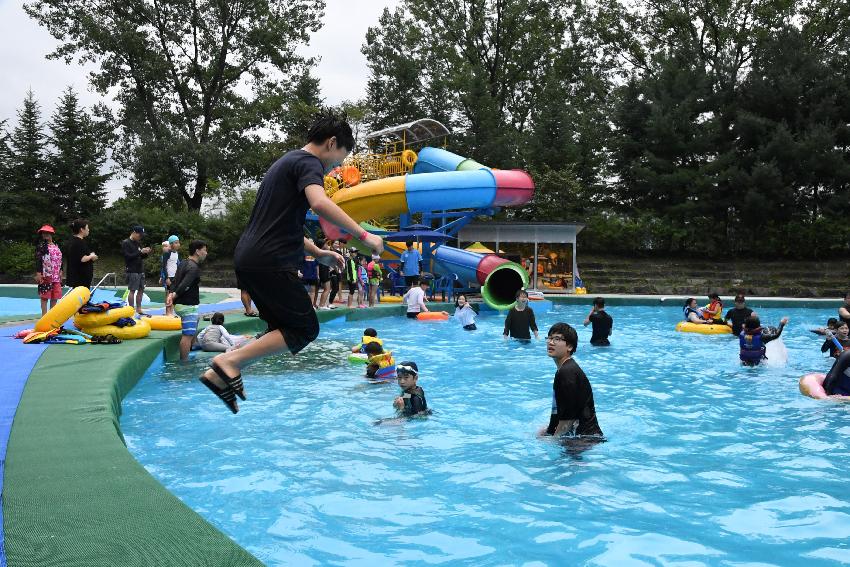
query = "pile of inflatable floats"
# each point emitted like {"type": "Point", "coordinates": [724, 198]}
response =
{"type": "Point", "coordinates": [98, 323]}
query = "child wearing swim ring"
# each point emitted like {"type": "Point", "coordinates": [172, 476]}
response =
{"type": "Point", "coordinates": [370, 335]}
{"type": "Point", "coordinates": [381, 363]}
{"type": "Point", "coordinates": [713, 312]}
{"type": "Point", "coordinates": [411, 402]}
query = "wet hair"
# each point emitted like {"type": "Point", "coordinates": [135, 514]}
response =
{"type": "Point", "coordinates": [752, 322]}
{"type": "Point", "coordinates": [713, 296]}
{"type": "Point", "coordinates": [839, 324]}
{"type": "Point", "coordinates": [370, 332]}
{"type": "Point", "coordinates": [217, 319]}
{"type": "Point", "coordinates": [409, 243]}
{"type": "Point", "coordinates": [423, 281]}
{"type": "Point", "coordinates": [521, 291]}
{"type": "Point", "coordinates": [78, 224]}
{"type": "Point", "coordinates": [599, 302]}
{"type": "Point", "coordinates": [688, 301]}
{"type": "Point", "coordinates": [196, 245]}
{"type": "Point", "coordinates": [328, 124]}
{"type": "Point", "coordinates": [740, 298]}
{"type": "Point", "coordinates": [373, 348]}
{"type": "Point", "coordinates": [830, 323]}
{"type": "Point", "coordinates": [463, 295]}
{"type": "Point", "coordinates": [566, 331]}
{"type": "Point", "coordinates": [372, 369]}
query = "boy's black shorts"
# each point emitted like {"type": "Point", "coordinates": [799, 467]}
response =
{"type": "Point", "coordinates": [284, 305]}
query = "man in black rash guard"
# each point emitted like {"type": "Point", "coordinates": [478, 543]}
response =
{"type": "Point", "coordinates": [837, 381]}
{"type": "Point", "coordinates": [520, 319]}
{"type": "Point", "coordinates": [602, 323]}
{"type": "Point", "coordinates": [735, 317]}
{"type": "Point", "coordinates": [573, 410]}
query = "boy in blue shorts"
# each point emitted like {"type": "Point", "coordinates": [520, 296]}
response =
{"type": "Point", "coordinates": [185, 294]}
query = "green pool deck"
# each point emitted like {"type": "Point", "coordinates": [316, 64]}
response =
{"type": "Point", "coordinates": [74, 495]}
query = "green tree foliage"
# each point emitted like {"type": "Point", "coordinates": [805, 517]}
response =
{"type": "Point", "coordinates": [74, 167]}
{"type": "Point", "coordinates": [198, 81]}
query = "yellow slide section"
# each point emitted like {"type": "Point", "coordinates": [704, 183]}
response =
{"type": "Point", "coordinates": [382, 197]}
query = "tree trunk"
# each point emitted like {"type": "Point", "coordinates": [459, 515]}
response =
{"type": "Point", "coordinates": [195, 200]}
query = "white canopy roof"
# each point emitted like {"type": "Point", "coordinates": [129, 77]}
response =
{"type": "Point", "coordinates": [416, 131]}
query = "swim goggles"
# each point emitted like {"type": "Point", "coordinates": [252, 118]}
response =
{"type": "Point", "coordinates": [404, 369]}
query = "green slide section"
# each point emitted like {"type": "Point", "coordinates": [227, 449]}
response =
{"type": "Point", "coordinates": [73, 494]}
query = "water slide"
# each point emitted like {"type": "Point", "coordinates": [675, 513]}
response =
{"type": "Point", "coordinates": [443, 181]}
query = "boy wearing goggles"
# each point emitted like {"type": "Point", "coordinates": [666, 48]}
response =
{"type": "Point", "coordinates": [412, 399]}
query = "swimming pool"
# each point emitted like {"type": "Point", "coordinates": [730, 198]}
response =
{"type": "Point", "coordinates": [706, 462]}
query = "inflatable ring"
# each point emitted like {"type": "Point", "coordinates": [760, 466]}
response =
{"type": "Point", "coordinates": [390, 299]}
{"type": "Point", "coordinates": [64, 309]}
{"type": "Point", "coordinates": [811, 385]}
{"type": "Point", "coordinates": [88, 320]}
{"type": "Point", "coordinates": [163, 323]}
{"type": "Point", "coordinates": [358, 358]}
{"type": "Point", "coordinates": [686, 327]}
{"type": "Point", "coordinates": [409, 158]}
{"type": "Point", "coordinates": [432, 316]}
{"type": "Point", "coordinates": [138, 331]}
{"type": "Point", "coordinates": [351, 175]}
{"type": "Point", "coordinates": [331, 185]}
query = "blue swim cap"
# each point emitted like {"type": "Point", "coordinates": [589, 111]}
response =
{"type": "Point", "coordinates": [173, 238]}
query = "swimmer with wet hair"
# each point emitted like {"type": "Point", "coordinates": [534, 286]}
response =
{"type": "Point", "coordinates": [411, 402]}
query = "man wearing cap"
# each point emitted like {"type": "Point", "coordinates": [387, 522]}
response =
{"type": "Point", "coordinates": [48, 268]}
{"type": "Point", "coordinates": [134, 256]}
{"type": "Point", "coordinates": [169, 261]}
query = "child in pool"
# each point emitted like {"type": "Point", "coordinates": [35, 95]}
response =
{"type": "Point", "coordinates": [713, 312]}
{"type": "Point", "coordinates": [370, 335]}
{"type": "Point", "coordinates": [464, 313]}
{"type": "Point", "coordinates": [830, 327]}
{"type": "Point", "coordinates": [411, 402]}
{"type": "Point", "coordinates": [754, 338]}
{"type": "Point", "coordinates": [520, 319]}
{"type": "Point", "coordinates": [842, 335]}
{"type": "Point", "coordinates": [215, 338]}
{"type": "Point", "coordinates": [381, 364]}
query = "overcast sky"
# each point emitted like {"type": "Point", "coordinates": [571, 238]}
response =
{"type": "Point", "coordinates": [24, 44]}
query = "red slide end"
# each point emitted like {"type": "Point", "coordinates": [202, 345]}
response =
{"type": "Point", "coordinates": [513, 187]}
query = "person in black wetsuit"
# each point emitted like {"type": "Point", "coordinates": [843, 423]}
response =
{"type": "Point", "coordinates": [837, 381]}
{"type": "Point", "coordinates": [735, 316]}
{"type": "Point", "coordinates": [841, 331]}
{"type": "Point", "coordinates": [412, 399]}
{"type": "Point", "coordinates": [520, 319]}
{"type": "Point", "coordinates": [573, 409]}
{"type": "Point", "coordinates": [602, 323]}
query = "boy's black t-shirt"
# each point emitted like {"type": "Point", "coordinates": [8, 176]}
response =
{"type": "Point", "coordinates": [79, 272]}
{"type": "Point", "coordinates": [517, 323]}
{"type": "Point", "coordinates": [573, 400]}
{"type": "Point", "coordinates": [737, 317]}
{"type": "Point", "coordinates": [133, 257]}
{"type": "Point", "coordinates": [602, 324]}
{"type": "Point", "coordinates": [274, 237]}
{"type": "Point", "coordinates": [414, 402]}
{"type": "Point", "coordinates": [186, 283]}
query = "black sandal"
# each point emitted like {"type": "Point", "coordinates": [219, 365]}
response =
{"type": "Point", "coordinates": [234, 384]}
{"type": "Point", "coordinates": [228, 396]}
{"type": "Point", "coordinates": [252, 314]}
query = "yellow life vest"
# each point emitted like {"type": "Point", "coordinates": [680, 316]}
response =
{"type": "Point", "coordinates": [382, 360]}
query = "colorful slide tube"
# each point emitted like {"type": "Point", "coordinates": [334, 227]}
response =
{"type": "Point", "coordinates": [443, 181]}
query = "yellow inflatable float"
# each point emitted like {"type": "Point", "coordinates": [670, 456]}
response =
{"type": "Point", "coordinates": [686, 327]}
{"type": "Point", "coordinates": [138, 331]}
{"type": "Point", "coordinates": [163, 323]}
{"type": "Point", "coordinates": [90, 320]}
{"type": "Point", "coordinates": [391, 299]}
{"type": "Point", "coordinates": [64, 309]}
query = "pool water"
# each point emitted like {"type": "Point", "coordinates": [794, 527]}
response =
{"type": "Point", "coordinates": [19, 306]}
{"type": "Point", "coordinates": [706, 462]}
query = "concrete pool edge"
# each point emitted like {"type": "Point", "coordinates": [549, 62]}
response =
{"type": "Point", "coordinates": [74, 495]}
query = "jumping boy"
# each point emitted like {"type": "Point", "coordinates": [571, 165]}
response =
{"type": "Point", "coordinates": [273, 246]}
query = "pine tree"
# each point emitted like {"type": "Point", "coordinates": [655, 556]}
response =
{"type": "Point", "coordinates": [74, 169]}
{"type": "Point", "coordinates": [28, 190]}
